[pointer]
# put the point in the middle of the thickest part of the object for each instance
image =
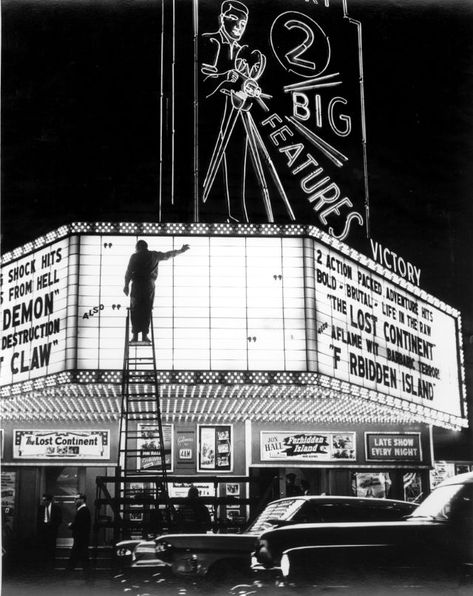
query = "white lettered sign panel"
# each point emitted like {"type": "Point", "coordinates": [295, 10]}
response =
{"type": "Point", "coordinates": [61, 444]}
{"type": "Point", "coordinates": [34, 312]}
{"type": "Point", "coordinates": [374, 333]}
{"type": "Point", "coordinates": [226, 304]}
{"type": "Point", "coordinates": [307, 445]}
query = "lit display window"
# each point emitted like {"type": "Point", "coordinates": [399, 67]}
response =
{"type": "Point", "coordinates": [228, 303]}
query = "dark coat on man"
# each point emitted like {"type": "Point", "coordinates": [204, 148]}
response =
{"type": "Point", "coordinates": [80, 532]}
{"type": "Point", "coordinates": [81, 526]}
{"type": "Point", "coordinates": [55, 517]}
{"type": "Point", "coordinates": [48, 528]}
{"type": "Point", "coordinates": [142, 272]}
{"type": "Point", "coordinates": [193, 517]}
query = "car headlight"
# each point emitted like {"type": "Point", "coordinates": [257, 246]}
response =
{"type": "Point", "coordinates": [123, 551]}
{"type": "Point", "coordinates": [285, 565]}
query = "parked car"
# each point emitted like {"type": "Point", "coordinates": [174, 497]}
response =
{"type": "Point", "coordinates": [216, 555]}
{"type": "Point", "coordinates": [436, 540]}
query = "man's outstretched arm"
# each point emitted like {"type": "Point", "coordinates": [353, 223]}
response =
{"type": "Point", "coordinates": [173, 253]}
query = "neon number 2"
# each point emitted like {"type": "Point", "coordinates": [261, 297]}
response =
{"type": "Point", "coordinates": [294, 56]}
{"type": "Point", "coordinates": [300, 44]}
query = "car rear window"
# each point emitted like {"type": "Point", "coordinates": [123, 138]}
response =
{"type": "Point", "coordinates": [280, 510]}
{"type": "Point", "coordinates": [348, 512]}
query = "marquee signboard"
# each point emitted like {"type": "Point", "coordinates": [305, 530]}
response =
{"type": "Point", "coordinates": [373, 333]}
{"type": "Point", "coordinates": [280, 91]}
{"type": "Point", "coordinates": [61, 444]}
{"type": "Point", "coordinates": [34, 310]}
{"type": "Point", "coordinates": [233, 302]}
{"type": "Point", "coordinates": [307, 446]}
{"type": "Point", "coordinates": [393, 446]}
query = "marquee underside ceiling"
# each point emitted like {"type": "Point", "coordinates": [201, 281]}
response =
{"type": "Point", "coordinates": [214, 396]}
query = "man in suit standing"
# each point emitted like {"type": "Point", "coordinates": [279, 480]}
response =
{"type": "Point", "coordinates": [80, 532]}
{"type": "Point", "coordinates": [49, 520]}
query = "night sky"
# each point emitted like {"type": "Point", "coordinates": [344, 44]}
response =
{"type": "Point", "coordinates": [80, 124]}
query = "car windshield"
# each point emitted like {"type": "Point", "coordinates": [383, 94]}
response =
{"type": "Point", "coordinates": [280, 510]}
{"type": "Point", "coordinates": [438, 504]}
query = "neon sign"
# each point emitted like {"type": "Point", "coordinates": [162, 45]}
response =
{"type": "Point", "coordinates": [289, 143]}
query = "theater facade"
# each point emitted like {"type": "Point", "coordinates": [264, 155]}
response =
{"type": "Point", "coordinates": [279, 349]}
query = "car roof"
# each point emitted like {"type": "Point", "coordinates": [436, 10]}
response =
{"type": "Point", "coordinates": [327, 526]}
{"type": "Point", "coordinates": [339, 498]}
{"type": "Point", "coordinates": [466, 478]}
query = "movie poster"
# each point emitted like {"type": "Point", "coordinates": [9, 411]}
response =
{"type": "Point", "coordinates": [215, 448]}
{"type": "Point", "coordinates": [148, 443]}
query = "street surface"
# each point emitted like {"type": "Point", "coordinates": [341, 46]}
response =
{"type": "Point", "coordinates": [153, 583]}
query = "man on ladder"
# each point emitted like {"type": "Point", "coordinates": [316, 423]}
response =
{"type": "Point", "coordinates": [142, 271]}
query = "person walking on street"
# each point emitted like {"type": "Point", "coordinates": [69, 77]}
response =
{"type": "Point", "coordinates": [142, 271]}
{"type": "Point", "coordinates": [80, 533]}
{"type": "Point", "coordinates": [49, 520]}
{"type": "Point", "coordinates": [193, 516]}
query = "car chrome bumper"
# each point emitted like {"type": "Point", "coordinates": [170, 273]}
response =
{"type": "Point", "coordinates": [150, 563]}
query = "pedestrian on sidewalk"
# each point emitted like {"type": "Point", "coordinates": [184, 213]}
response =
{"type": "Point", "coordinates": [80, 533]}
{"type": "Point", "coordinates": [49, 520]}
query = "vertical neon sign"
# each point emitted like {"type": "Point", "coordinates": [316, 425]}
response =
{"type": "Point", "coordinates": [281, 115]}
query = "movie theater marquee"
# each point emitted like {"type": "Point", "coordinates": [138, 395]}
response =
{"type": "Point", "coordinates": [373, 332]}
{"type": "Point", "coordinates": [34, 294]}
{"type": "Point", "coordinates": [234, 302]}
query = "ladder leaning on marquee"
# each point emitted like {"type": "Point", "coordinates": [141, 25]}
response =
{"type": "Point", "coordinates": [140, 503]}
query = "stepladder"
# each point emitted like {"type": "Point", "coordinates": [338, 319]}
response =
{"type": "Point", "coordinates": [144, 449]}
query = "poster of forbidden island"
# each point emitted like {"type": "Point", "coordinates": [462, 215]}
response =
{"type": "Point", "coordinates": [300, 174]}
